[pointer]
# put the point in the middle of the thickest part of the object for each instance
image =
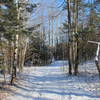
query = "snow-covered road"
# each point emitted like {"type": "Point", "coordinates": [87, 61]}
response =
{"type": "Point", "coordinates": [53, 83]}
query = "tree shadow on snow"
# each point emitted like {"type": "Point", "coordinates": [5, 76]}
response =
{"type": "Point", "coordinates": [47, 84]}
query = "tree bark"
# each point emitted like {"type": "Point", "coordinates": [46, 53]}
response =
{"type": "Point", "coordinates": [98, 67]}
{"type": "Point", "coordinates": [75, 38]}
{"type": "Point", "coordinates": [97, 59]}
{"type": "Point", "coordinates": [69, 37]}
{"type": "Point", "coordinates": [14, 69]}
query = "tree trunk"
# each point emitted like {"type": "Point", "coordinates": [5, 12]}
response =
{"type": "Point", "coordinates": [52, 31]}
{"type": "Point", "coordinates": [49, 33]}
{"type": "Point", "coordinates": [97, 59]}
{"type": "Point", "coordinates": [14, 69]}
{"type": "Point", "coordinates": [98, 67]}
{"type": "Point", "coordinates": [24, 52]}
{"type": "Point", "coordinates": [75, 38]}
{"type": "Point", "coordinates": [69, 37]}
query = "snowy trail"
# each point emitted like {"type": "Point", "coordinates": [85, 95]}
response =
{"type": "Point", "coordinates": [52, 83]}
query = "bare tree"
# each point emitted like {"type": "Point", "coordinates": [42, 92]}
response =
{"type": "Point", "coordinates": [73, 38]}
{"type": "Point", "coordinates": [69, 37]}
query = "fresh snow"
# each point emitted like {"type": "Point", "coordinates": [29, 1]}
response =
{"type": "Point", "coordinates": [53, 83]}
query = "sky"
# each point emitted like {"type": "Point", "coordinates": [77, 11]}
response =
{"type": "Point", "coordinates": [47, 9]}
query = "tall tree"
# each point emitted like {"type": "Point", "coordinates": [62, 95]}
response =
{"type": "Point", "coordinates": [72, 34]}
{"type": "Point", "coordinates": [69, 37]}
{"type": "Point", "coordinates": [75, 37]}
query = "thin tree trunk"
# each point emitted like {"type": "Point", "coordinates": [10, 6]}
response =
{"type": "Point", "coordinates": [24, 52]}
{"type": "Point", "coordinates": [52, 31]}
{"type": "Point", "coordinates": [97, 59]}
{"type": "Point", "coordinates": [98, 67]}
{"type": "Point", "coordinates": [14, 70]}
{"type": "Point", "coordinates": [75, 38]}
{"type": "Point", "coordinates": [49, 32]}
{"type": "Point", "coordinates": [15, 59]}
{"type": "Point", "coordinates": [69, 37]}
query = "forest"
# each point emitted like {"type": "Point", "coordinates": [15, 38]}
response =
{"type": "Point", "coordinates": [49, 49]}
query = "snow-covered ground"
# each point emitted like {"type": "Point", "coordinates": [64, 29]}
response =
{"type": "Point", "coordinates": [53, 83]}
